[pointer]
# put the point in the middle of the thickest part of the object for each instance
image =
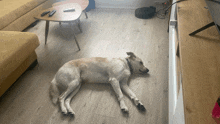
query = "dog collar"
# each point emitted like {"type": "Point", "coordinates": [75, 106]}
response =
{"type": "Point", "coordinates": [129, 64]}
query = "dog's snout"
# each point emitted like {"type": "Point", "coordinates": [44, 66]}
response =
{"type": "Point", "coordinates": [147, 70]}
{"type": "Point", "coordinates": [144, 71]}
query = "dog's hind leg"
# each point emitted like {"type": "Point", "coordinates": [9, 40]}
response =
{"type": "Point", "coordinates": [69, 98]}
{"type": "Point", "coordinates": [71, 87]}
{"type": "Point", "coordinates": [128, 91]}
{"type": "Point", "coordinates": [115, 84]}
{"type": "Point", "coordinates": [54, 92]}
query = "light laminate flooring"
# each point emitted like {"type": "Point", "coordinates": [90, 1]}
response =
{"type": "Point", "coordinates": [106, 33]}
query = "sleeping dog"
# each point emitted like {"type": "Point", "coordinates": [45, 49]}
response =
{"type": "Point", "coordinates": [115, 71]}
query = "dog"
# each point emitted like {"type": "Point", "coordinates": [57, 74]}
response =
{"type": "Point", "coordinates": [115, 71]}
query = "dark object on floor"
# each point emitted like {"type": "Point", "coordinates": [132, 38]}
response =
{"type": "Point", "coordinates": [145, 12]}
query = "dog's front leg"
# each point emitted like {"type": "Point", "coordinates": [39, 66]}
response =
{"type": "Point", "coordinates": [116, 86]}
{"type": "Point", "coordinates": [128, 91]}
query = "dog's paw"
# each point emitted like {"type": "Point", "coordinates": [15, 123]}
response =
{"type": "Point", "coordinates": [141, 107]}
{"type": "Point", "coordinates": [64, 112]}
{"type": "Point", "coordinates": [71, 113]}
{"type": "Point", "coordinates": [125, 110]}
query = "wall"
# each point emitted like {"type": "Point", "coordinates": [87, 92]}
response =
{"type": "Point", "coordinates": [130, 4]}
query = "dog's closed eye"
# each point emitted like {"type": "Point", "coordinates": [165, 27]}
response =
{"type": "Point", "coordinates": [141, 63]}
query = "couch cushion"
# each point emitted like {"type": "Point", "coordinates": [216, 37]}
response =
{"type": "Point", "coordinates": [10, 10]}
{"type": "Point", "coordinates": [15, 47]}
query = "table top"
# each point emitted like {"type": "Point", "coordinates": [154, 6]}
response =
{"type": "Point", "coordinates": [82, 3]}
{"type": "Point", "coordinates": [200, 62]}
{"type": "Point", "coordinates": [61, 16]}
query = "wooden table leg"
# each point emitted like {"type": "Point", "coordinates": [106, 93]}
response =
{"type": "Point", "coordinates": [46, 31]}
{"type": "Point", "coordinates": [85, 14]}
{"type": "Point", "coordinates": [78, 21]}
{"type": "Point", "coordinates": [76, 41]}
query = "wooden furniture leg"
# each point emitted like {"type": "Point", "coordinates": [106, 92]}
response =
{"type": "Point", "coordinates": [75, 38]}
{"type": "Point", "coordinates": [78, 22]}
{"type": "Point", "coordinates": [85, 14]}
{"type": "Point", "coordinates": [46, 31]}
{"type": "Point", "coordinates": [76, 41]}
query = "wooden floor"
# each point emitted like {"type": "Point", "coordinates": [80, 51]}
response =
{"type": "Point", "coordinates": [106, 33]}
{"type": "Point", "coordinates": [199, 61]}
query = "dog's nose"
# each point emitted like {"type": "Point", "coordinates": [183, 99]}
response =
{"type": "Point", "coordinates": [147, 70]}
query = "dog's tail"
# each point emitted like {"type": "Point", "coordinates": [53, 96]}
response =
{"type": "Point", "coordinates": [54, 92]}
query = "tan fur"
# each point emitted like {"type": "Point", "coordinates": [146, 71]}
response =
{"type": "Point", "coordinates": [115, 71]}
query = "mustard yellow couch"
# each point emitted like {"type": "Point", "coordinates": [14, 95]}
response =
{"type": "Point", "coordinates": [17, 53]}
{"type": "Point", "coordinates": [17, 49]}
{"type": "Point", "coordinates": [16, 15]}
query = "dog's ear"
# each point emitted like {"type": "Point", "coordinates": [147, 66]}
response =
{"type": "Point", "coordinates": [131, 54]}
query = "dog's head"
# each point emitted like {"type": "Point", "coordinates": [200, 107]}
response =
{"type": "Point", "coordinates": [136, 64]}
